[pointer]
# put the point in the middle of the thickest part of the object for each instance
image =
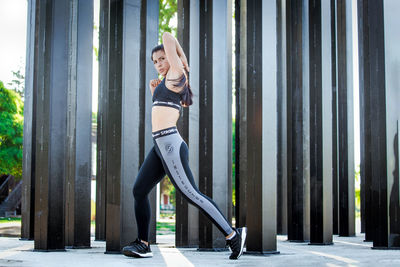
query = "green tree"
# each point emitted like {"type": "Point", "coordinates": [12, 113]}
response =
{"type": "Point", "coordinates": [18, 83]}
{"type": "Point", "coordinates": [11, 132]}
{"type": "Point", "coordinates": [169, 189]}
{"type": "Point", "coordinates": [95, 48]}
{"type": "Point", "coordinates": [168, 10]}
{"type": "Point", "coordinates": [357, 191]}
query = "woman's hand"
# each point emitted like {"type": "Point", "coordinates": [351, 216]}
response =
{"type": "Point", "coordinates": [153, 84]}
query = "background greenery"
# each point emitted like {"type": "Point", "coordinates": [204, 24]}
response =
{"type": "Point", "coordinates": [11, 132]}
{"type": "Point", "coordinates": [168, 10]}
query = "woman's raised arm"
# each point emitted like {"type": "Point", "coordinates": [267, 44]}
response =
{"type": "Point", "coordinates": [174, 53]}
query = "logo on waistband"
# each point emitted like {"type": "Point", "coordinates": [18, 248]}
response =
{"type": "Point", "coordinates": [167, 131]}
{"type": "Point", "coordinates": [169, 148]}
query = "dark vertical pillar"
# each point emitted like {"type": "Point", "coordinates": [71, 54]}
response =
{"type": "Point", "coordinates": [362, 112]}
{"type": "Point", "coordinates": [236, 125]}
{"type": "Point", "coordinates": [101, 175]}
{"type": "Point", "coordinates": [53, 19]}
{"type": "Point", "coordinates": [241, 113]}
{"type": "Point", "coordinates": [282, 138]}
{"type": "Point", "coordinates": [194, 115]}
{"type": "Point", "coordinates": [182, 227]}
{"type": "Point", "coordinates": [261, 126]}
{"type": "Point", "coordinates": [365, 121]}
{"type": "Point", "coordinates": [297, 121]}
{"type": "Point", "coordinates": [131, 108]}
{"type": "Point", "coordinates": [114, 124]}
{"type": "Point", "coordinates": [383, 54]}
{"type": "Point", "coordinates": [345, 118]}
{"type": "Point", "coordinates": [123, 109]}
{"type": "Point", "coordinates": [184, 39]}
{"type": "Point", "coordinates": [364, 148]}
{"type": "Point", "coordinates": [28, 161]}
{"type": "Point", "coordinates": [215, 115]}
{"type": "Point", "coordinates": [205, 112]}
{"type": "Point", "coordinates": [335, 176]}
{"type": "Point", "coordinates": [150, 15]}
{"type": "Point", "coordinates": [79, 126]}
{"type": "Point", "coordinates": [320, 123]}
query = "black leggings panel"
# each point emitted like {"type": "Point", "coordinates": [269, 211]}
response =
{"type": "Point", "coordinates": [150, 174]}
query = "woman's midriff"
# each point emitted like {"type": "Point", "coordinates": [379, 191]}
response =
{"type": "Point", "coordinates": [163, 117]}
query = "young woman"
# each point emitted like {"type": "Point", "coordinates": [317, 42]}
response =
{"type": "Point", "coordinates": [170, 153]}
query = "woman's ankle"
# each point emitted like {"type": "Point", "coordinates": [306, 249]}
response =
{"type": "Point", "coordinates": [230, 236]}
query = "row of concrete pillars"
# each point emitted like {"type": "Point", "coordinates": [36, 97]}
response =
{"type": "Point", "coordinates": [294, 137]}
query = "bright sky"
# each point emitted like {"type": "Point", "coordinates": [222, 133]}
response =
{"type": "Point", "coordinates": [13, 21]}
{"type": "Point", "coordinates": [13, 17]}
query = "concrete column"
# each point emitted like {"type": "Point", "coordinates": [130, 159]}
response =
{"type": "Point", "coordinates": [389, 183]}
{"type": "Point", "coordinates": [79, 126]}
{"type": "Point", "coordinates": [194, 114]}
{"type": "Point", "coordinates": [123, 109]}
{"type": "Point", "coordinates": [241, 113]}
{"type": "Point", "coordinates": [28, 161]}
{"type": "Point", "coordinates": [215, 99]}
{"type": "Point", "coordinates": [335, 176]}
{"type": "Point", "coordinates": [298, 135]}
{"type": "Point", "coordinates": [51, 75]}
{"type": "Point", "coordinates": [383, 57]}
{"type": "Point", "coordinates": [150, 14]}
{"type": "Point", "coordinates": [320, 123]}
{"type": "Point", "coordinates": [101, 175]}
{"type": "Point", "coordinates": [345, 118]}
{"type": "Point", "coordinates": [262, 111]}
{"type": "Point", "coordinates": [114, 125]}
{"type": "Point", "coordinates": [282, 121]}
{"type": "Point", "coordinates": [365, 121]}
{"type": "Point", "coordinates": [184, 234]}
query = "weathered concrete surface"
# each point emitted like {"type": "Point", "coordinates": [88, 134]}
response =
{"type": "Point", "coordinates": [346, 251]}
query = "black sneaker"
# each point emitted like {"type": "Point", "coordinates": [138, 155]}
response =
{"type": "Point", "coordinates": [237, 243]}
{"type": "Point", "coordinates": [137, 249]}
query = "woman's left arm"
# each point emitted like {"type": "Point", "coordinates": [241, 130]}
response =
{"type": "Point", "coordinates": [174, 53]}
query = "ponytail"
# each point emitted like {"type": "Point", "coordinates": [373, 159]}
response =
{"type": "Point", "coordinates": [186, 93]}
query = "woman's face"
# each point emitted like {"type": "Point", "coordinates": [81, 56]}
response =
{"type": "Point", "coordinates": [160, 62]}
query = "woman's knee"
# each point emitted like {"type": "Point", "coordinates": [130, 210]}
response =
{"type": "Point", "coordinates": [138, 193]}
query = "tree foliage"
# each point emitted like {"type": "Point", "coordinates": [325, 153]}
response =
{"type": "Point", "coordinates": [168, 188]}
{"type": "Point", "coordinates": [168, 9]}
{"type": "Point", "coordinates": [18, 83]}
{"type": "Point", "coordinates": [11, 132]}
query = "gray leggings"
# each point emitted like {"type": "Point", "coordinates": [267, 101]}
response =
{"type": "Point", "coordinates": [170, 156]}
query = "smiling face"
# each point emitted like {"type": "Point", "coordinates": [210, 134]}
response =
{"type": "Point", "coordinates": [160, 62]}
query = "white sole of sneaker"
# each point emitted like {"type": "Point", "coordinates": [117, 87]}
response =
{"type": "Point", "coordinates": [243, 235]}
{"type": "Point", "coordinates": [137, 255]}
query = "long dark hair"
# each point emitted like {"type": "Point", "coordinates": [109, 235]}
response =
{"type": "Point", "coordinates": [186, 93]}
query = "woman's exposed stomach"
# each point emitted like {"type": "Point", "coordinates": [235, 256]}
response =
{"type": "Point", "coordinates": [163, 117]}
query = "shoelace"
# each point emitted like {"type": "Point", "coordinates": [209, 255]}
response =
{"type": "Point", "coordinates": [139, 244]}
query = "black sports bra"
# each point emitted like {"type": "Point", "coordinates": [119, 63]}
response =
{"type": "Point", "coordinates": [162, 96]}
